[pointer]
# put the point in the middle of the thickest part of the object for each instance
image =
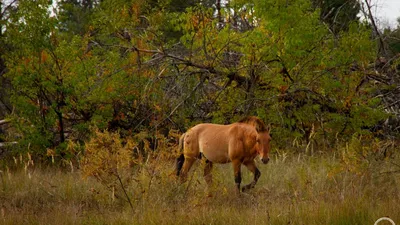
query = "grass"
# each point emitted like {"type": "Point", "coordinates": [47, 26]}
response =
{"type": "Point", "coordinates": [295, 189]}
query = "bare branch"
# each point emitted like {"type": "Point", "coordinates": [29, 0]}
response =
{"type": "Point", "coordinates": [377, 33]}
{"type": "Point", "coordinates": [5, 121]}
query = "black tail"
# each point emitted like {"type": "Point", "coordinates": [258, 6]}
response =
{"type": "Point", "coordinates": [179, 163]}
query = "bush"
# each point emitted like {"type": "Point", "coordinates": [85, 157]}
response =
{"type": "Point", "coordinates": [109, 160]}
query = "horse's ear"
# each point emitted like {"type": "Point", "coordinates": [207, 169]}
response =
{"type": "Point", "coordinates": [269, 128]}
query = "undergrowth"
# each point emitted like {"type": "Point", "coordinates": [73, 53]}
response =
{"type": "Point", "coordinates": [349, 187]}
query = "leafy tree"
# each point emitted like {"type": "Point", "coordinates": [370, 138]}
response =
{"type": "Point", "coordinates": [35, 70]}
{"type": "Point", "coordinates": [125, 65]}
{"type": "Point", "coordinates": [287, 70]}
{"type": "Point", "coordinates": [65, 83]}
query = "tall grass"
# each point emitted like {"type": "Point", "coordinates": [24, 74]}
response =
{"type": "Point", "coordinates": [294, 189]}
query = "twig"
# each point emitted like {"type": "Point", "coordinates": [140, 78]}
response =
{"type": "Point", "coordinates": [4, 144]}
{"type": "Point", "coordinates": [126, 194]}
{"type": "Point", "coordinates": [5, 121]}
{"type": "Point", "coordinates": [180, 103]}
{"type": "Point", "coordinates": [378, 34]}
{"type": "Point", "coordinates": [395, 171]}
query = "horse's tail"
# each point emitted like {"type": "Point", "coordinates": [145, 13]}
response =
{"type": "Point", "coordinates": [181, 159]}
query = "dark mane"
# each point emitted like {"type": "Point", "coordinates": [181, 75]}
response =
{"type": "Point", "coordinates": [256, 122]}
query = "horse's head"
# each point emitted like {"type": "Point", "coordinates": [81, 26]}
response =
{"type": "Point", "coordinates": [263, 142]}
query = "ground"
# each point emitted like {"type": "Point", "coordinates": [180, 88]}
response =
{"type": "Point", "coordinates": [293, 189]}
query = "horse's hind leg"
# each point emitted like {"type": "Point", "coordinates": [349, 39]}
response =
{"type": "Point", "coordinates": [252, 167]}
{"type": "Point", "coordinates": [188, 163]}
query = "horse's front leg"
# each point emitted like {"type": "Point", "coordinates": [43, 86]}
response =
{"type": "Point", "coordinates": [238, 176]}
{"type": "Point", "coordinates": [252, 167]}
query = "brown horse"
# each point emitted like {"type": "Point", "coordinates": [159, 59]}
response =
{"type": "Point", "coordinates": [238, 143]}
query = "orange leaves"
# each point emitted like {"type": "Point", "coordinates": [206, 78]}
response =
{"type": "Point", "coordinates": [283, 89]}
{"type": "Point", "coordinates": [198, 20]}
{"type": "Point", "coordinates": [195, 21]}
{"type": "Point", "coordinates": [109, 89]}
{"type": "Point", "coordinates": [26, 60]}
{"type": "Point", "coordinates": [147, 73]}
{"type": "Point", "coordinates": [120, 116]}
{"type": "Point", "coordinates": [43, 56]}
{"type": "Point", "coordinates": [140, 44]}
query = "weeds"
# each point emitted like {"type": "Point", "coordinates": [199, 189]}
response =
{"type": "Point", "coordinates": [354, 187]}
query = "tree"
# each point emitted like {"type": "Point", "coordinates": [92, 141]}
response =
{"type": "Point", "coordinates": [291, 72]}
{"type": "Point", "coordinates": [65, 82]}
{"type": "Point", "coordinates": [134, 68]}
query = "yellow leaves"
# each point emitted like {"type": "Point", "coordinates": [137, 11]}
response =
{"type": "Point", "coordinates": [133, 58]}
{"type": "Point", "coordinates": [147, 73]}
{"type": "Point", "coordinates": [356, 155]}
{"type": "Point", "coordinates": [139, 43]}
{"type": "Point", "coordinates": [348, 102]}
{"type": "Point", "coordinates": [106, 156]}
{"type": "Point", "coordinates": [198, 20]}
{"type": "Point", "coordinates": [50, 152]}
{"type": "Point", "coordinates": [157, 107]}
{"type": "Point", "coordinates": [136, 9]}
{"type": "Point", "coordinates": [174, 133]}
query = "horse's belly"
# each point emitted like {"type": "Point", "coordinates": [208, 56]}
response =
{"type": "Point", "coordinates": [215, 154]}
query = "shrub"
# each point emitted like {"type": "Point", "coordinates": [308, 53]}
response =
{"type": "Point", "coordinates": [109, 159]}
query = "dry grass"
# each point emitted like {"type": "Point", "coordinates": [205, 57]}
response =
{"type": "Point", "coordinates": [292, 190]}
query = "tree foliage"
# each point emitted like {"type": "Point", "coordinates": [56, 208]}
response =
{"type": "Point", "coordinates": [128, 65]}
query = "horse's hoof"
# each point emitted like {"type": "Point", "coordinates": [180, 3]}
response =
{"type": "Point", "coordinates": [246, 188]}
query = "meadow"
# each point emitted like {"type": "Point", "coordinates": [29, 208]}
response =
{"type": "Point", "coordinates": [293, 189]}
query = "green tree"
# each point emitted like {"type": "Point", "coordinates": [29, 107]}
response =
{"type": "Point", "coordinates": [293, 72]}
{"type": "Point", "coordinates": [64, 82]}
{"type": "Point", "coordinates": [133, 67]}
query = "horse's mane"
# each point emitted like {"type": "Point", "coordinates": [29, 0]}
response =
{"type": "Point", "coordinates": [255, 122]}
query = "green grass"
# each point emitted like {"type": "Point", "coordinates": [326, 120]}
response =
{"type": "Point", "coordinates": [292, 190]}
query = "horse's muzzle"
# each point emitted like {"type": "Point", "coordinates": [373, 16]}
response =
{"type": "Point", "coordinates": [265, 161]}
